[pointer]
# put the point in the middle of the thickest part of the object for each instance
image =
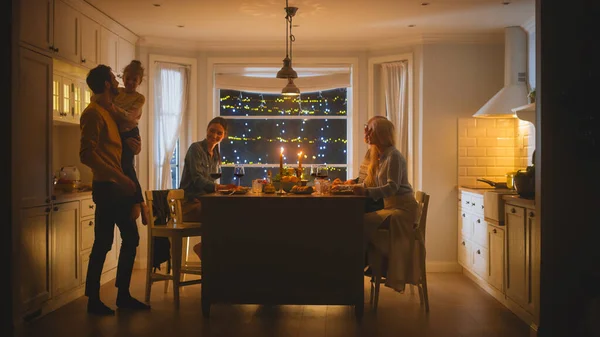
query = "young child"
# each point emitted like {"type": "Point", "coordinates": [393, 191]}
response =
{"type": "Point", "coordinates": [128, 104]}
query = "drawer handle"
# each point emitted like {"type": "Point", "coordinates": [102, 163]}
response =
{"type": "Point", "coordinates": [463, 243]}
{"type": "Point", "coordinates": [478, 220]}
{"type": "Point", "coordinates": [463, 215]}
{"type": "Point", "coordinates": [495, 231]}
{"type": "Point", "coordinates": [512, 210]}
{"type": "Point", "coordinates": [481, 206]}
{"type": "Point", "coordinates": [468, 203]}
{"type": "Point", "coordinates": [91, 206]}
{"type": "Point", "coordinates": [91, 223]}
{"type": "Point", "coordinates": [473, 204]}
{"type": "Point", "coordinates": [47, 210]}
{"type": "Point", "coordinates": [478, 252]}
{"type": "Point", "coordinates": [531, 214]}
{"type": "Point", "coordinates": [55, 209]}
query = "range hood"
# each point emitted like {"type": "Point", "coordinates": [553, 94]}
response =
{"type": "Point", "coordinates": [514, 92]}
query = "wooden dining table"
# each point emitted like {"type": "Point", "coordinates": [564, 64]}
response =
{"type": "Point", "coordinates": [282, 249]}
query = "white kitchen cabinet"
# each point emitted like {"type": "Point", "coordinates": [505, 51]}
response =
{"type": "Point", "coordinates": [496, 257]}
{"type": "Point", "coordinates": [480, 261]}
{"type": "Point", "coordinates": [65, 248]}
{"type": "Point", "coordinates": [32, 262]}
{"type": "Point", "coordinates": [36, 24]}
{"type": "Point", "coordinates": [126, 55]}
{"type": "Point", "coordinates": [64, 94]}
{"type": "Point", "coordinates": [66, 32]}
{"type": "Point", "coordinates": [32, 131]}
{"type": "Point", "coordinates": [90, 42]}
{"type": "Point", "coordinates": [518, 255]}
{"type": "Point", "coordinates": [109, 46]}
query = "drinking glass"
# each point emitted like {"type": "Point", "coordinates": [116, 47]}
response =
{"type": "Point", "coordinates": [216, 172]}
{"type": "Point", "coordinates": [322, 171]}
{"type": "Point", "coordinates": [238, 172]}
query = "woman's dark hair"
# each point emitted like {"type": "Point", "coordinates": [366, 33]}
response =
{"type": "Point", "coordinates": [97, 77]}
{"type": "Point", "coordinates": [218, 120]}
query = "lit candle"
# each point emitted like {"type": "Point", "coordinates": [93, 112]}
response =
{"type": "Point", "coordinates": [281, 164]}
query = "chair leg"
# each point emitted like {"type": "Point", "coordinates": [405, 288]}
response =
{"type": "Point", "coordinates": [150, 257]}
{"type": "Point", "coordinates": [420, 288]}
{"type": "Point", "coordinates": [176, 267]}
{"type": "Point", "coordinates": [425, 293]}
{"type": "Point", "coordinates": [167, 281]}
{"type": "Point", "coordinates": [377, 286]}
{"type": "Point", "coordinates": [376, 262]}
{"type": "Point", "coordinates": [371, 294]}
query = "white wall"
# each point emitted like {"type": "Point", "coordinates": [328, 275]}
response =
{"type": "Point", "coordinates": [456, 81]}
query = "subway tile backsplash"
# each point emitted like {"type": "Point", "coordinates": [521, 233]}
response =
{"type": "Point", "coordinates": [489, 148]}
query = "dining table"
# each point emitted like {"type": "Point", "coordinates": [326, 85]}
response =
{"type": "Point", "coordinates": [280, 249]}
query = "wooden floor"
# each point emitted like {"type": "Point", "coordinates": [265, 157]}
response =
{"type": "Point", "coordinates": [458, 308]}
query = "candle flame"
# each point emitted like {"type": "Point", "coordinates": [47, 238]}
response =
{"type": "Point", "coordinates": [300, 154]}
{"type": "Point", "coordinates": [282, 150]}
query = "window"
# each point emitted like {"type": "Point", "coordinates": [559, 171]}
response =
{"type": "Point", "coordinates": [175, 172]}
{"type": "Point", "coordinates": [261, 124]}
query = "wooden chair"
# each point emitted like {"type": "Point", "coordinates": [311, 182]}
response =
{"type": "Point", "coordinates": [376, 257]}
{"type": "Point", "coordinates": [176, 230]}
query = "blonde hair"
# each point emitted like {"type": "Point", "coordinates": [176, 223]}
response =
{"type": "Point", "coordinates": [383, 132]}
{"type": "Point", "coordinates": [134, 68]}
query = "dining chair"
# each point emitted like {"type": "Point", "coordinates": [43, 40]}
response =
{"type": "Point", "coordinates": [176, 231]}
{"type": "Point", "coordinates": [378, 259]}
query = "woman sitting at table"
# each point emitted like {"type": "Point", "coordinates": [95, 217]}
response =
{"type": "Point", "coordinates": [200, 160]}
{"type": "Point", "coordinates": [387, 179]}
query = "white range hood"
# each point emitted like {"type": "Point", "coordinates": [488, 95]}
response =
{"type": "Point", "coordinates": [514, 92]}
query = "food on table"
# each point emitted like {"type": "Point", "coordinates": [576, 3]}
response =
{"type": "Point", "coordinates": [342, 189]}
{"type": "Point", "coordinates": [337, 181]}
{"type": "Point", "coordinates": [269, 188]}
{"type": "Point", "coordinates": [302, 189]}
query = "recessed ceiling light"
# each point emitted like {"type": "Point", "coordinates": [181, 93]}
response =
{"type": "Point", "coordinates": [156, 5]}
{"type": "Point", "coordinates": [506, 3]}
{"type": "Point", "coordinates": [424, 3]}
{"type": "Point", "coordinates": [411, 26]}
{"type": "Point", "coordinates": [180, 26]}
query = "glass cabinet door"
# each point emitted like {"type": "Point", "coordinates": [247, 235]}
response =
{"type": "Point", "coordinates": [56, 97]}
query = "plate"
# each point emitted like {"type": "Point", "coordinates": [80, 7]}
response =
{"type": "Point", "coordinates": [342, 192]}
{"type": "Point", "coordinates": [308, 190]}
{"type": "Point", "coordinates": [228, 192]}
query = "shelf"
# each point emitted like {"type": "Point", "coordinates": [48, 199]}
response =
{"type": "Point", "coordinates": [526, 112]}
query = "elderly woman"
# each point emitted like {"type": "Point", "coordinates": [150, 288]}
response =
{"type": "Point", "coordinates": [387, 179]}
{"type": "Point", "coordinates": [200, 160]}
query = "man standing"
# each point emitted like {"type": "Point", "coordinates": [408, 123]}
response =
{"type": "Point", "coordinates": [101, 151]}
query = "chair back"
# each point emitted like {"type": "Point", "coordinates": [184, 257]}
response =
{"type": "Point", "coordinates": [423, 201]}
{"type": "Point", "coordinates": [174, 198]}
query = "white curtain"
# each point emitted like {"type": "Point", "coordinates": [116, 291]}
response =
{"type": "Point", "coordinates": [171, 94]}
{"type": "Point", "coordinates": [394, 82]}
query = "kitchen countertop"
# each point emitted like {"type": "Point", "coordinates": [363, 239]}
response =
{"type": "Point", "coordinates": [482, 190]}
{"type": "Point", "coordinates": [62, 196]}
{"type": "Point", "coordinates": [518, 201]}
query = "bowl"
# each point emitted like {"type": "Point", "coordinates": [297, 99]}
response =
{"type": "Point", "coordinates": [287, 186]}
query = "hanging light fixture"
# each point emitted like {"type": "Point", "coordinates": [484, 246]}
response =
{"type": "Point", "coordinates": [290, 89]}
{"type": "Point", "coordinates": [287, 71]}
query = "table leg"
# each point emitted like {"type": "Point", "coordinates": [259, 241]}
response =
{"type": "Point", "coordinates": [205, 307]}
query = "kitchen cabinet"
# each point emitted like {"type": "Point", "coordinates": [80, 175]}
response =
{"type": "Point", "coordinates": [32, 261]}
{"type": "Point", "coordinates": [65, 249]}
{"type": "Point", "coordinates": [32, 131]}
{"type": "Point", "coordinates": [126, 55]}
{"type": "Point", "coordinates": [496, 257]}
{"type": "Point", "coordinates": [523, 257]}
{"type": "Point", "coordinates": [36, 24]}
{"type": "Point", "coordinates": [90, 42]}
{"type": "Point", "coordinates": [66, 32]}
{"type": "Point", "coordinates": [109, 46]}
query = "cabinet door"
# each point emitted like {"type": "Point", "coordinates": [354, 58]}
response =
{"type": "Point", "coordinates": [32, 269]}
{"type": "Point", "coordinates": [465, 225]}
{"type": "Point", "coordinates": [90, 42]}
{"type": "Point", "coordinates": [109, 46]}
{"type": "Point", "coordinates": [496, 262]}
{"type": "Point", "coordinates": [517, 263]}
{"type": "Point", "coordinates": [65, 249]}
{"type": "Point", "coordinates": [535, 250]}
{"type": "Point", "coordinates": [36, 21]}
{"type": "Point", "coordinates": [32, 130]}
{"type": "Point", "coordinates": [66, 32]}
{"type": "Point", "coordinates": [56, 97]}
{"type": "Point", "coordinates": [464, 253]}
{"type": "Point", "coordinates": [126, 54]}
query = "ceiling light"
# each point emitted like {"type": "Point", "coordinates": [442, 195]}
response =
{"type": "Point", "coordinates": [424, 3]}
{"type": "Point", "coordinates": [156, 5]}
{"type": "Point", "coordinates": [411, 26]}
{"type": "Point", "coordinates": [287, 71]}
{"type": "Point", "coordinates": [290, 89]}
{"type": "Point", "coordinates": [180, 26]}
{"type": "Point", "coordinates": [506, 3]}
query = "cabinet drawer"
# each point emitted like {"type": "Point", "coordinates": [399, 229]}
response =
{"type": "Point", "coordinates": [476, 206]}
{"type": "Point", "coordinates": [480, 231]}
{"type": "Point", "coordinates": [480, 261]}
{"type": "Point", "coordinates": [88, 207]}
{"type": "Point", "coordinates": [87, 233]}
{"type": "Point", "coordinates": [464, 253]}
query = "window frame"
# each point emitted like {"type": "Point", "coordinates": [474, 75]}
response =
{"type": "Point", "coordinates": [353, 131]}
